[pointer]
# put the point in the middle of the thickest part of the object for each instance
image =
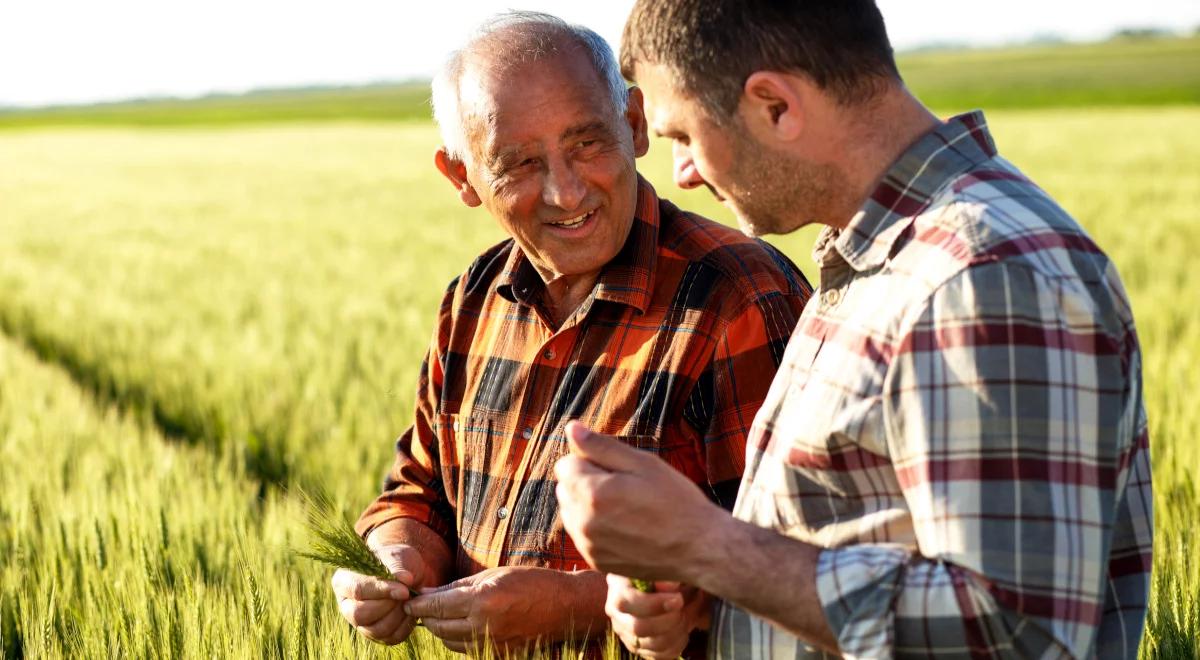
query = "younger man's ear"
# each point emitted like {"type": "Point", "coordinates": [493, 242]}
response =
{"type": "Point", "coordinates": [635, 115]}
{"type": "Point", "coordinates": [773, 102]}
{"type": "Point", "coordinates": [455, 172]}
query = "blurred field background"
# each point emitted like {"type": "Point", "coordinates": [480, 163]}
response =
{"type": "Point", "coordinates": [205, 303]}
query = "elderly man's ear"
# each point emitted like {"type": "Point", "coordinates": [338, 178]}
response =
{"type": "Point", "coordinates": [635, 116]}
{"type": "Point", "coordinates": [455, 171]}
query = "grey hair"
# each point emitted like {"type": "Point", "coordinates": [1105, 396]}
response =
{"type": "Point", "coordinates": [529, 35]}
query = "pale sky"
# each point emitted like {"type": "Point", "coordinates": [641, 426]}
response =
{"type": "Point", "coordinates": [69, 51]}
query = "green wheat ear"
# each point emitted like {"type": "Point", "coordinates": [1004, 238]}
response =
{"type": "Point", "coordinates": [644, 586]}
{"type": "Point", "coordinates": [334, 542]}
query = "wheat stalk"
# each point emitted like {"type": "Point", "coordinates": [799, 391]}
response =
{"type": "Point", "coordinates": [334, 542]}
{"type": "Point", "coordinates": [644, 586]}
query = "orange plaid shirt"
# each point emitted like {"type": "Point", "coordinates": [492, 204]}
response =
{"type": "Point", "coordinates": [673, 352]}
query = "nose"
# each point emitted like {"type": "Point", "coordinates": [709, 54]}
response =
{"type": "Point", "coordinates": [563, 187]}
{"type": "Point", "coordinates": [686, 176]}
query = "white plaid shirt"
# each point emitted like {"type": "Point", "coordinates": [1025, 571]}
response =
{"type": "Point", "coordinates": [958, 420]}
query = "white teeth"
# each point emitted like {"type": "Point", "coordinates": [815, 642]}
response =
{"type": "Point", "coordinates": [573, 222]}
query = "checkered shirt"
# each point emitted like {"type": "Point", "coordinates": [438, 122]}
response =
{"type": "Point", "coordinates": [673, 352]}
{"type": "Point", "coordinates": [959, 424]}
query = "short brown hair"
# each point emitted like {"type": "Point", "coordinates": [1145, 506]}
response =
{"type": "Point", "coordinates": [713, 46]}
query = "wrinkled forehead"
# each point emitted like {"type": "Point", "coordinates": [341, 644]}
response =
{"type": "Point", "coordinates": [510, 103]}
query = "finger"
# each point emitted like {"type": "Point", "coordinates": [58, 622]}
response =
{"type": "Point", "coordinates": [656, 647]}
{"type": "Point", "coordinates": [457, 584]}
{"type": "Point", "coordinates": [663, 648]}
{"type": "Point", "coordinates": [639, 604]}
{"type": "Point", "coordinates": [401, 633]}
{"type": "Point", "coordinates": [385, 628]}
{"type": "Point", "coordinates": [365, 612]}
{"type": "Point", "coordinates": [602, 450]}
{"type": "Point", "coordinates": [402, 576]}
{"type": "Point", "coordinates": [449, 604]}
{"type": "Point", "coordinates": [451, 629]}
{"type": "Point", "coordinates": [656, 626]}
{"type": "Point", "coordinates": [618, 582]}
{"type": "Point", "coordinates": [573, 469]}
{"type": "Point", "coordinates": [348, 584]}
{"type": "Point", "coordinates": [393, 557]}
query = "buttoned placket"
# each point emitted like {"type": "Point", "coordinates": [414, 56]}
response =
{"type": "Point", "coordinates": [557, 346]}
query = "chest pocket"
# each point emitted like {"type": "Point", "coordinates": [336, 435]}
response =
{"type": "Point", "coordinates": [501, 487]}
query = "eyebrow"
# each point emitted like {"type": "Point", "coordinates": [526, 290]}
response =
{"type": "Point", "coordinates": [502, 157]}
{"type": "Point", "coordinates": [596, 126]}
{"type": "Point", "coordinates": [660, 130]}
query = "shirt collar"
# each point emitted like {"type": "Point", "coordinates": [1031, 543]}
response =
{"type": "Point", "coordinates": [906, 189]}
{"type": "Point", "coordinates": [628, 279]}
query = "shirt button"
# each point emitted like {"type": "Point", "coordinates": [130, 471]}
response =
{"type": "Point", "coordinates": [832, 297]}
{"type": "Point", "coordinates": [527, 433]}
{"type": "Point", "coordinates": [502, 513]}
{"type": "Point", "coordinates": [548, 354]}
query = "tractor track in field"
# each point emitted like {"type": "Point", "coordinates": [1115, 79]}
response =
{"type": "Point", "coordinates": [132, 398]}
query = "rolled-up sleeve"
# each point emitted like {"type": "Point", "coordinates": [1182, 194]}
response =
{"type": "Point", "coordinates": [1015, 425]}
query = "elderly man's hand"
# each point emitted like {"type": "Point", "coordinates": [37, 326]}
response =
{"type": "Point", "coordinates": [629, 512]}
{"type": "Point", "coordinates": [511, 605]}
{"type": "Point", "coordinates": [655, 625]}
{"type": "Point", "coordinates": [375, 607]}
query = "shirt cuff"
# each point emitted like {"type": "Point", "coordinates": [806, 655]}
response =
{"type": "Point", "coordinates": [376, 516]}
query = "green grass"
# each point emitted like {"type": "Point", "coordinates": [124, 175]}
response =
{"type": "Point", "coordinates": [195, 314]}
{"type": "Point", "coordinates": [375, 102]}
{"type": "Point", "coordinates": [1118, 72]}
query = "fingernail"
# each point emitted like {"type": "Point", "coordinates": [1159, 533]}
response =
{"type": "Point", "coordinates": [408, 609]}
{"type": "Point", "coordinates": [400, 593]}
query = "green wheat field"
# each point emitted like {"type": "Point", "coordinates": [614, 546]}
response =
{"type": "Point", "coordinates": [203, 311]}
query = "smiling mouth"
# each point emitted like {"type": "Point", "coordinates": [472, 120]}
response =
{"type": "Point", "coordinates": [571, 223]}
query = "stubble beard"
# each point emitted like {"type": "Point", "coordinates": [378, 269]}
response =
{"type": "Point", "coordinates": [775, 193]}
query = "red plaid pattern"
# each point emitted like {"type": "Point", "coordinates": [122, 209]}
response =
{"type": "Point", "coordinates": [673, 352]}
{"type": "Point", "coordinates": [959, 421]}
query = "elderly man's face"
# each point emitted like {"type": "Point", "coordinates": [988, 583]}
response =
{"type": "Point", "coordinates": [552, 161]}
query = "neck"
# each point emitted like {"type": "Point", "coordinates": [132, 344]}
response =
{"type": "Point", "coordinates": [871, 141]}
{"type": "Point", "coordinates": [565, 293]}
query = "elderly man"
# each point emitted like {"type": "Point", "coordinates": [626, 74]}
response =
{"type": "Point", "coordinates": [953, 459]}
{"type": "Point", "coordinates": [607, 304]}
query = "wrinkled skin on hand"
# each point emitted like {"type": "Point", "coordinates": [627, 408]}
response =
{"type": "Point", "coordinates": [513, 606]}
{"type": "Point", "coordinates": [657, 624]}
{"type": "Point", "coordinates": [375, 607]}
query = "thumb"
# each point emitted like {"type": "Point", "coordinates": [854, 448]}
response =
{"type": "Point", "coordinates": [392, 557]}
{"type": "Point", "coordinates": [666, 586]}
{"type": "Point", "coordinates": [603, 451]}
{"type": "Point", "coordinates": [457, 584]}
